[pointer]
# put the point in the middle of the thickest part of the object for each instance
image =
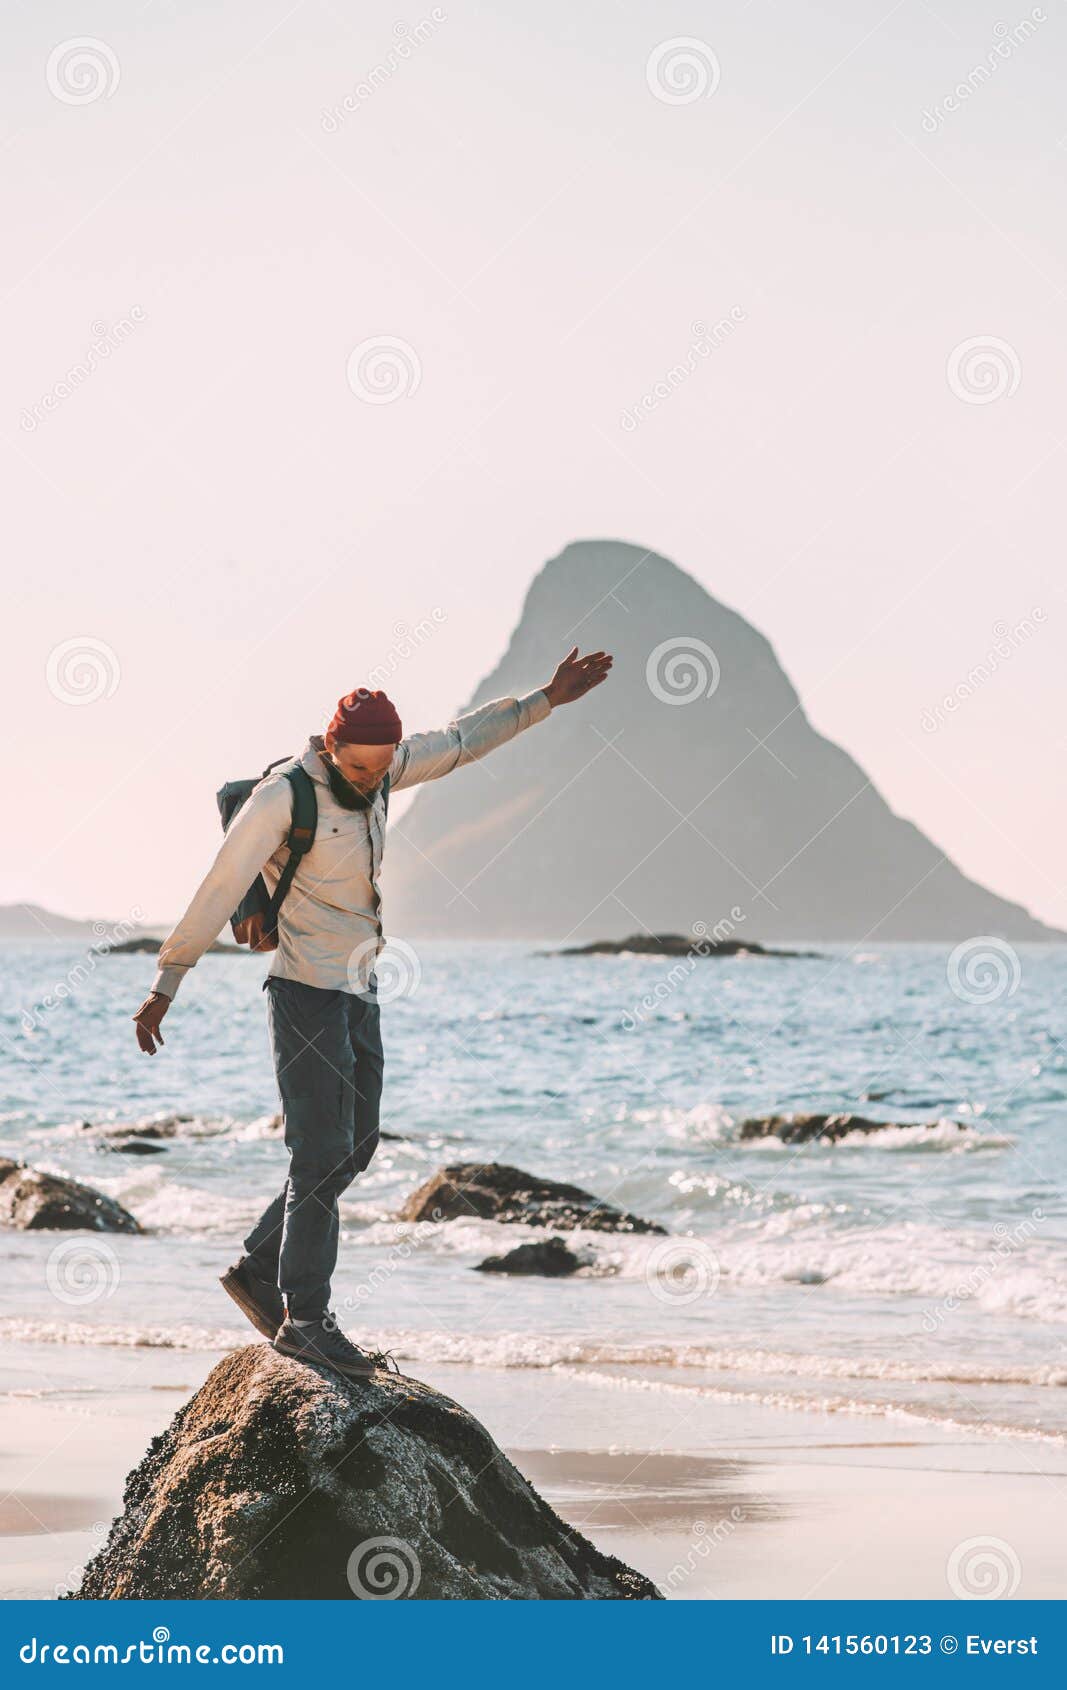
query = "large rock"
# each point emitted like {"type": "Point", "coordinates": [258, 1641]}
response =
{"type": "Point", "coordinates": [281, 1481]}
{"type": "Point", "coordinates": [37, 1202]}
{"type": "Point", "coordinates": [495, 1192]}
{"type": "Point", "coordinates": [805, 1129]}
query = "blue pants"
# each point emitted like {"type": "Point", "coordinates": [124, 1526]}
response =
{"type": "Point", "coordinates": [328, 1062]}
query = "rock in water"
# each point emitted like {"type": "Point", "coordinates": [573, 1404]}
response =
{"type": "Point", "coordinates": [549, 1256]}
{"type": "Point", "coordinates": [282, 1481]}
{"type": "Point", "coordinates": [37, 1202]}
{"type": "Point", "coordinates": [168, 1126]}
{"type": "Point", "coordinates": [806, 1129]}
{"type": "Point", "coordinates": [493, 1191]}
{"type": "Point", "coordinates": [146, 946]}
{"type": "Point", "coordinates": [676, 945]}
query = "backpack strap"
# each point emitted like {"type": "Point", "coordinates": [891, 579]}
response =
{"type": "Point", "coordinates": [300, 839]}
{"type": "Point", "coordinates": [305, 810]}
{"type": "Point", "coordinates": [385, 797]}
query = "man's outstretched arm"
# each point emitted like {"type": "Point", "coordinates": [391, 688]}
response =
{"type": "Point", "coordinates": [428, 756]}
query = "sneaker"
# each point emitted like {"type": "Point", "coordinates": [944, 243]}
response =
{"type": "Point", "coordinates": [325, 1343]}
{"type": "Point", "coordinates": [256, 1298]}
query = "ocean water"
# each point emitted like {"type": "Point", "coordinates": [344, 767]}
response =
{"type": "Point", "coordinates": [917, 1275]}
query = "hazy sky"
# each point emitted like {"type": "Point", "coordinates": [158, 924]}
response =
{"type": "Point", "coordinates": [208, 207]}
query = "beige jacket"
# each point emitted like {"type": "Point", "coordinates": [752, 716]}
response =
{"type": "Point", "coordinates": [329, 929]}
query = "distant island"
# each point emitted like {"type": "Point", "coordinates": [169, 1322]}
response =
{"type": "Point", "coordinates": [31, 921]}
{"type": "Point", "coordinates": [150, 947]}
{"type": "Point", "coordinates": [675, 945]}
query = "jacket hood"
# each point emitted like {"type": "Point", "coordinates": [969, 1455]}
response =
{"type": "Point", "coordinates": [311, 761]}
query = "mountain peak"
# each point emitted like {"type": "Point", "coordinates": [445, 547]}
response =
{"type": "Point", "coordinates": [587, 572]}
{"type": "Point", "coordinates": [689, 790]}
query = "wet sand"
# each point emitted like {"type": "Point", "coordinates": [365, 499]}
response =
{"type": "Point", "coordinates": [743, 1500]}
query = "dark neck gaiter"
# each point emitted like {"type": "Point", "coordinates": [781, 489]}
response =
{"type": "Point", "coordinates": [347, 795]}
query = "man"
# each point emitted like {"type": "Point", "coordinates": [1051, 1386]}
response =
{"type": "Point", "coordinates": [322, 1005]}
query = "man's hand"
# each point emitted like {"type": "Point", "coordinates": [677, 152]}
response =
{"type": "Point", "coordinates": [147, 1021]}
{"type": "Point", "coordinates": [576, 676]}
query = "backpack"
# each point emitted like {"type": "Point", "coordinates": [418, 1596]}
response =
{"type": "Point", "coordinates": [301, 837]}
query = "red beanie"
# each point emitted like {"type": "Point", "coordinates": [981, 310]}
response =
{"type": "Point", "coordinates": [366, 718]}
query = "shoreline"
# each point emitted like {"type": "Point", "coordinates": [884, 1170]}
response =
{"type": "Point", "coordinates": [728, 1499]}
